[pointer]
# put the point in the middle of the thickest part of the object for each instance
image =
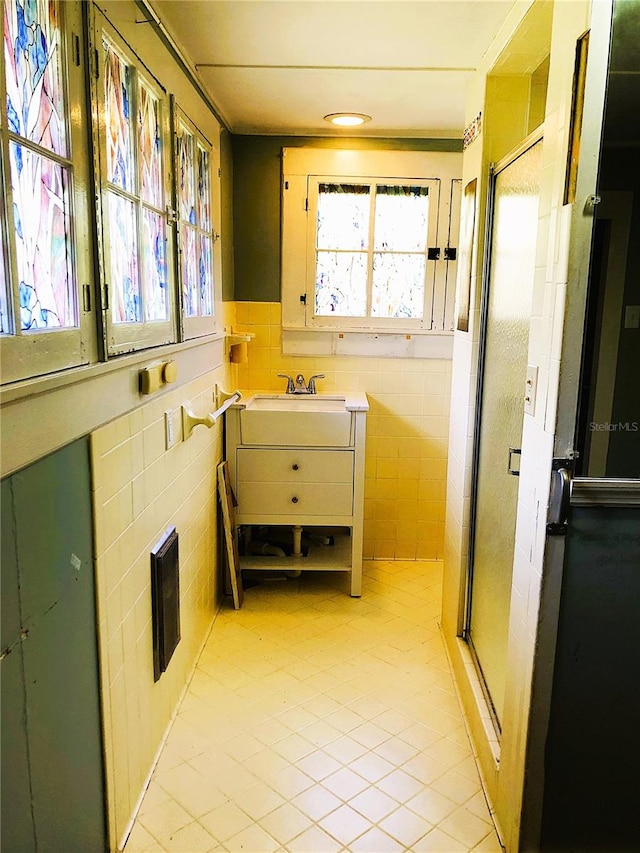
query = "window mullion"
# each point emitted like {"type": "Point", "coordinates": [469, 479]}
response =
{"type": "Point", "coordinates": [370, 247]}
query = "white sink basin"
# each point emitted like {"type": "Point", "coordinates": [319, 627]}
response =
{"type": "Point", "coordinates": [296, 403]}
{"type": "Point", "coordinates": [300, 420]}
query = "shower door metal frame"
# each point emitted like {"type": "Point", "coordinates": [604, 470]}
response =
{"type": "Point", "coordinates": [494, 170]}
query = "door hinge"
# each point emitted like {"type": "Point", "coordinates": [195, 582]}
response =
{"type": "Point", "coordinates": [511, 468]}
{"type": "Point", "coordinates": [172, 215]}
{"type": "Point", "coordinates": [433, 253]}
{"type": "Point", "coordinates": [219, 173]}
{"type": "Point", "coordinates": [96, 64]}
{"type": "Point", "coordinates": [306, 205]}
{"type": "Point", "coordinates": [86, 298]}
{"type": "Point", "coordinates": [76, 50]}
{"type": "Point", "coordinates": [303, 298]}
{"type": "Point", "coordinates": [105, 298]}
{"type": "Point", "coordinates": [450, 253]}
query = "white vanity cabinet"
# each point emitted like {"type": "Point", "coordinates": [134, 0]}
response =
{"type": "Point", "coordinates": [297, 461]}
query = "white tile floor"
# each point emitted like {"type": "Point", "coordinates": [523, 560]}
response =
{"type": "Point", "coordinates": [317, 722]}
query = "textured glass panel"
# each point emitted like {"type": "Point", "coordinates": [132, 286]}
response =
{"type": "Point", "coordinates": [343, 216]}
{"type": "Point", "coordinates": [123, 254]}
{"type": "Point", "coordinates": [401, 219]}
{"type": "Point", "coordinates": [150, 149]}
{"type": "Point", "coordinates": [117, 90]}
{"type": "Point", "coordinates": [205, 276]}
{"type": "Point", "coordinates": [513, 253]}
{"type": "Point", "coordinates": [35, 95]}
{"type": "Point", "coordinates": [41, 223]}
{"type": "Point", "coordinates": [341, 284]}
{"type": "Point", "coordinates": [4, 316]}
{"type": "Point", "coordinates": [186, 176]}
{"type": "Point", "coordinates": [189, 272]}
{"type": "Point", "coordinates": [398, 285]}
{"type": "Point", "coordinates": [154, 265]}
{"type": "Point", "coordinates": [204, 190]}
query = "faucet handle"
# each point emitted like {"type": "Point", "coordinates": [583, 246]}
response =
{"type": "Point", "coordinates": [290, 385]}
{"type": "Point", "coordinates": [312, 382]}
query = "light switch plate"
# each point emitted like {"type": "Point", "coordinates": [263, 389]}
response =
{"type": "Point", "coordinates": [530, 390]}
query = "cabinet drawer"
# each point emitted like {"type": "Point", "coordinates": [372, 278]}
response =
{"type": "Point", "coordinates": [295, 466]}
{"type": "Point", "coordinates": [315, 499]}
{"type": "Point", "coordinates": [296, 429]}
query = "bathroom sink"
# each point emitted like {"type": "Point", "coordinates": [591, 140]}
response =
{"type": "Point", "coordinates": [296, 403]}
{"type": "Point", "coordinates": [303, 420]}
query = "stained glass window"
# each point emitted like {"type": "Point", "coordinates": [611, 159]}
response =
{"type": "Point", "coordinates": [137, 248]}
{"type": "Point", "coordinates": [150, 149]}
{"type": "Point", "coordinates": [370, 250]}
{"type": "Point", "coordinates": [40, 181]}
{"type": "Point", "coordinates": [117, 84]}
{"type": "Point", "coordinates": [194, 199]}
{"type": "Point", "coordinates": [40, 220]}
{"type": "Point", "coordinates": [33, 71]}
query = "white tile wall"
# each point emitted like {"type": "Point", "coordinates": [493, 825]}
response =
{"type": "Point", "coordinates": [407, 429]}
{"type": "Point", "coordinates": [139, 490]}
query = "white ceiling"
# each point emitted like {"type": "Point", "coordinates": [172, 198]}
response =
{"type": "Point", "coordinates": [279, 66]}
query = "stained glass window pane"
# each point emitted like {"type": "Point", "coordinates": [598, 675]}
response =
{"type": "Point", "coordinates": [398, 285]}
{"type": "Point", "coordinates": [205, 277]}
{"type": "Point", "coordinates": [149, 148]}
{"type": "Point", "coordinates": [343, 216]}
{"type": "Point", "coordinates": [341, 284]}
{"type": "Point", "coordinates": [4, 315]}
{"type": "Point", "coordinates": [154, 265]}
{"type": "Point", "coordinates": [189, 272]}
{"type": "Point", "coordinates": [186, 172]}
{"type": "Point", "coordinates": [43, 256]}
{"type": "Point", "coordinates": [123, 254]}
{"type": "Point", "coordinates": [204, 190]}
{"type": "Point", "coordinates": [32, 51]}
{"type": "Point", "coordinates": [401, 218]}
{"type": "Point", "coordinates": [117, 85]}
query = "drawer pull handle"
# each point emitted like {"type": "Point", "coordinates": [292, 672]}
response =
{"type": "Point", "coordinates": [294, 500]}
{"type": "Point", "coordinates": [295, 466]}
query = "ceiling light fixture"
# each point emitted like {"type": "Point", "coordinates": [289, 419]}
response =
{"type": "Point", "coordinates": [347, 119]}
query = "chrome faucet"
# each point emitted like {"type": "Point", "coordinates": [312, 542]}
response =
{"type": "Point", "coordinates": [311, 387]}
{"type": "Point", "coordinates": [299, 386]}
{"type": "Point", "coordinates": [291, 388]}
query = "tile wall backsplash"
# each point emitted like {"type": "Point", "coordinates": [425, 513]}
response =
{"type": "Point", "coordinates": [407, 430]}
{"type": "Point", "coordinates": [140, 489]}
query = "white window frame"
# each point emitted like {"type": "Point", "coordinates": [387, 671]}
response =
{"type": "Point", "coordinates": [314, 320]}
{"type": "Point", "coordinates": [302, 168]}
{"type": "Point", "coordinates": [122, 337]}
{"type": "Point", "coordinates": [202, 324]}
{"type": "Point", "coordinates": [26, 354]}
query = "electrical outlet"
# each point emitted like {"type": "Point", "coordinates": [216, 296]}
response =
{"type": "Point", "coordinates": [169, 430]}
{"type": "Point", "coordinates": [632, 317]}
{"type": "Point", "coordinates": [530, 389]}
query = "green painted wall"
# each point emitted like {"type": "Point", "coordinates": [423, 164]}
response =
{"type": "Point", "coordinates": [256, 202]}
{"type": "Point", "coordinates": [226, 214]}
{"type": "Point", "coordinates": [52, 792]}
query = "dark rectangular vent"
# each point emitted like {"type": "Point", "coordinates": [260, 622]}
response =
{"type": "Point", "coordinates": [165, 600]}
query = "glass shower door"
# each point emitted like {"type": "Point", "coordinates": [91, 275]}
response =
{"type": "Point", "coordinates": [507, 308]}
